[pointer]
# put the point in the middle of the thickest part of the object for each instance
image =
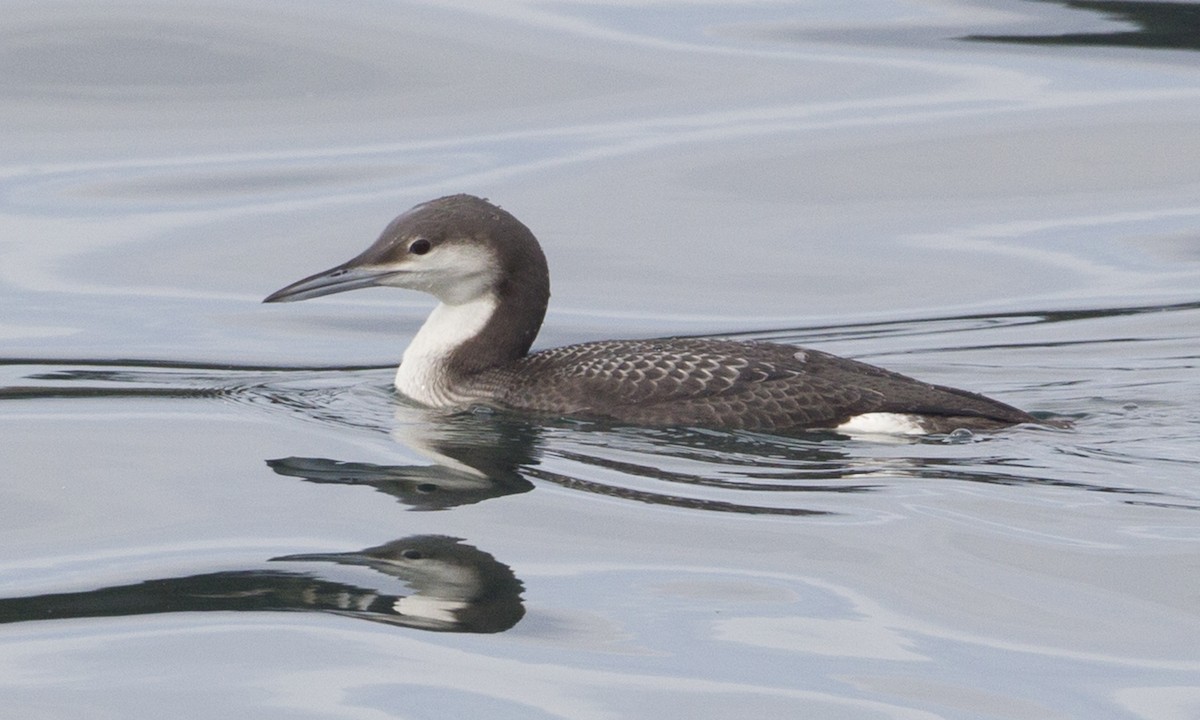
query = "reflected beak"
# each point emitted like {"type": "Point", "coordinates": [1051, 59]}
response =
{"type": "Point", "coordinates": [335, 280]}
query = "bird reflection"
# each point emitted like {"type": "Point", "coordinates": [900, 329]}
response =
{"type": "Point", "coordinates": [474, 459]}
{"type": "Point", "coordinates": [452, 587]}
{"type": "Point", "coordinates": [421, 487]}
{"type": "Point", "coordinates": [481, 455]}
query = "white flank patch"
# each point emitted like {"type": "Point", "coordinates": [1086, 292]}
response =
{"type": "Point", "coordinates": [447, 327]}
{"type": "Point", "coordinates": [882, 423]}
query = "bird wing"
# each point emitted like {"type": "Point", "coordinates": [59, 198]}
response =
{"type": "Point", "coordinates": [732, 384]}
{"type": "Point", "coordinates": [712, 383]}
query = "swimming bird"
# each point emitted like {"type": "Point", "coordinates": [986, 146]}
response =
{"type": "Point", "coordinates": [490, 277]}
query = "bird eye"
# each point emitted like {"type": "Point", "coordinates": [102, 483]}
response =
{"type": "Point", "coordinates": [420, 246]}
{"type": "Point", "coordinates": [412, 554]}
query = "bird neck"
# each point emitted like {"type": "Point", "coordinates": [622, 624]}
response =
{"type": "Point", "coordinates": [459, 340]}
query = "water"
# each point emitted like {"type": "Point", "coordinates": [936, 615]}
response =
{"type": "Point", "coordinates": [217, 508]}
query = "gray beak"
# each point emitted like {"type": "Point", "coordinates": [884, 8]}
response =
{"type": "Point", "coordinates": [335, 280]}
{"type": "Point", "coordinates": [345, 558]}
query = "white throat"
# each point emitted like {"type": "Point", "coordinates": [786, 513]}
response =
{"type": "Point", "coordinates": [422, 373]}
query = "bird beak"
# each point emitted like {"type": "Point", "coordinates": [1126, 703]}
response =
{"type": "Point", "coordinates": [345, 558]}
{"type": "Point", "coordinates": [347, 276]}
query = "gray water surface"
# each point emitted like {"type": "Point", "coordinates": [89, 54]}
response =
{"type": "Point", "coordinates": [217, 508]}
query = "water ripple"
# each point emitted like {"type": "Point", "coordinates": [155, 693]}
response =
{"type": "Point", "coordinates": [702, 469]}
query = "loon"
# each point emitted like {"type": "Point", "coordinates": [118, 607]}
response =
{"type": "Point", "coordinates": [491, 278]}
